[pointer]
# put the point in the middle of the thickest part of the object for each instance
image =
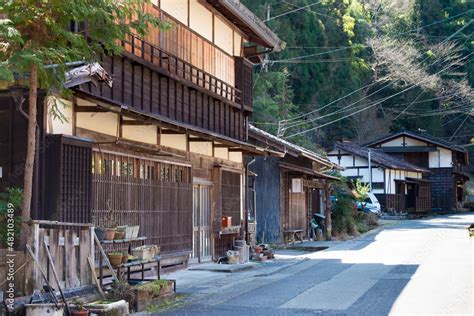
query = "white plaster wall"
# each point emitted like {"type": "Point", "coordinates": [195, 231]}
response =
{"type": "Point", "coordinates": [349, 172]}
{"type": "Point", "coordinates": [237, 44]}
{"type": "Point", "coordinates": [203, 148]}
{"type": "Point", "coordinates": [391, 176]}
{"type": "Point", "coordinates": [416, 175]}
{"type": "Point", "coordinates": [55, 125]}
{"type": "Point", "coordinates": [236, 156]}
{"type": "Point", "coordinates": [177, 141]}
{"type": "Point", "coordinates": [399, 142]}
{"type": "Point", "coordinates": [377, 174]}
{"type": "Point", "coordinates": [414, 142]}
{"type": "Point", "coordinates": [222, 153]}
{"type": "Point", "coordinates": [364, 172]}
{"type": "Point", "coordinates": [144, 133]}
{"type": "Point", "coordinates": [223, 35]}
{"type": "Point", "coordinates": [359, 161]}
{"type": "Point", "coordinates": [442, 158]}
{"type": "Point", "coordinates": [333, 159]}
{"type": "Point", "coordinates": [105, 123]}
{"type": "Point", "coordinates": [176, 8]}
{"type": "Point", "coordinates": [82, 102]}
{"type": "Point", "coordinates": [200, 19]}
{"type": "Point", "coordinates": [347, 161]}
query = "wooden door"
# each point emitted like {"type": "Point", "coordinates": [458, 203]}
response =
{"type": "Point", "coordinates": [201, 223]}
{"type": "Point", "coordinates": [297, 211]}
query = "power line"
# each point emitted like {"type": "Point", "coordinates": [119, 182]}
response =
{"type": "Point", "coordinates": [342, 48]}
{"type": "Point", "coordinates": [365, 108]}
{"type": "Point", "coordinates": [459, 127]}
{"type": "Point", "coordinates": [305, 56]}
{"type": "Point", "coordinates": [330, 103]}
{"type": "Point", "coordinates": [339, 111]}
{"type": "Point", "coordinates": [437, 22]}
{"type": "Point", "coordinates": [292, 11]}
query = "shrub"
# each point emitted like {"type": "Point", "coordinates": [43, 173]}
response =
{"type": "Point", "coordinates": [12, 196]}
{"type": "Point", "coordinates": [469, 205]}
{"type": "Point", "coordinates": [372, 220]}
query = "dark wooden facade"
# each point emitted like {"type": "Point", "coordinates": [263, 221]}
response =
{"type": "Point", "coordinates": [68, 165]}
{"type": "Point", "coordinates": [13, 136]}
{"type": "Point", "coordinates": [157, 195]}
{"type": "Point", "coordinates": [267, 201]}
{"type": "Point", "coordinates": [279, 208]}
{"type": "Point", "coordinates": [416, 200]}
{"type": "Point", "coordinates": [179, 84]}
{"type": "Point", "coordinates": [446, 181]}
{"type": "Point", "coordinates": [443, 189]}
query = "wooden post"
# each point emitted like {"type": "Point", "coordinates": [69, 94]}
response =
{"type": "Point", "coordinates": [328, 212]}
{"type": "Point", "coordinates": [36, 277]}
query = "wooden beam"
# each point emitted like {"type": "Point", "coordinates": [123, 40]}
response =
{"type": "Point", "coordinates": [171, 132]}
{"type": "Point", "coordinates": [221, 146]}
{"type": "Point", "coordinates": [135, 123]}
{"type": "Point", "coordinates": [200, 140]}
{"type": "Point", "coordinates": [89, 109]}
{"type": "Point", "coordinates": [183, 81]}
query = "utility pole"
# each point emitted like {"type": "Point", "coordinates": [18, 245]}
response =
{"type": "Point", "coordinates": [370, 171]}
{"type": "Point", "coordinates": [266, 55]}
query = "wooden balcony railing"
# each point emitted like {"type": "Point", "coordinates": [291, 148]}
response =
{"type": "Point", "coordinates": [459, 168]}
{"type": "Point", "coordinates": [180, 68]}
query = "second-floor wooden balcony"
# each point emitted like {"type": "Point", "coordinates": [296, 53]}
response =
{"type": "Point", "coordinates": [178, 75]}
{"type": "Point", "coordinates": [153, 81]}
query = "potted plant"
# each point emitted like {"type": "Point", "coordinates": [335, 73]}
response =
{"type": "Point", "coordinates": [110, 223]}
{"type": "Point", "coordinates": [153, 292]}
{"type": "Point", "coordinates": [120, 232]}
{"type": "Point", "coordinates": [124, 257]}
{"type": "Point", "coordinates": [115, 258]}
{"type": "Point", "coordinates": [100, 233]}
{"type": "Point", "coordinates": [79, 309]}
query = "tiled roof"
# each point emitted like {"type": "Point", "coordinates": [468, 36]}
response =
{"type": "Point", "coordinates": [379, 157]}
{"type": "Point", "coordinates": [423, 137]}
{"type": "Point", "coordinates": [290, 146]}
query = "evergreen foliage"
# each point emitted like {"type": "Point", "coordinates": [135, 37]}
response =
{"type": "Point", "coordinates": [329, 66]}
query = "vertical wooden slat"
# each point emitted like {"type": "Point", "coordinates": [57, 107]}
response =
{"type": "Point", "coordinates": [42, 252]}
{"type": "Point", "coordinates": [53, 249]}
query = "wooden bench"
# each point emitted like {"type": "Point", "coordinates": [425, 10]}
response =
{"type": "Point", "coordinates": [294, 234]}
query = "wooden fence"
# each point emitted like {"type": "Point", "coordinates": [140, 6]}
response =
{"type": "Point", "coordinates": [70, 245]}
{"type": "Point", "coordinates": [155, 195]}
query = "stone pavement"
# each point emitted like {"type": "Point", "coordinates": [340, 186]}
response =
{"type": "Point", "coordinates": [412, 267]}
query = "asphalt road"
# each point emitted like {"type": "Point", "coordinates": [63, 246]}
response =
{"type": "Point", "coordinates": [411, 268]}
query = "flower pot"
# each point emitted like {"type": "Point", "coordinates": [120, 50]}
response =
{"type": "Point", "coordinates": [109, 308]}
{"type": "Point", "coordinates": [120, 232]}
{"type": "Point", "coordinates": [115, 258]}
{"type": "Point", "coordinates": [146, 252]}
{"type": "Point", "coordinates": [125, 257]}
{"type": "Point", "coordinates": [44, 310]}
{"type": "Point", "coordinates": [100, 233]}
{"type": "Point", "coordinates": [109, 233]}
{"type": "Point", "coordinates": [83, 312]}
{"type": "Point", "coordinates": [131, 232]}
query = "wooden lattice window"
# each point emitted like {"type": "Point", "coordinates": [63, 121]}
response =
{"type": "Point", "coordinates": [231, 196]}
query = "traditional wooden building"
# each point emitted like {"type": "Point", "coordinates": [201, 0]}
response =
{"type": "Point", "coordinates": [446, 161]}
{"type": "Point", "coordinates": [162, 146]}
{"type": "Point", "coordinates": [291, 188]}
{"type": "Point", "coordinates": [397, 184]}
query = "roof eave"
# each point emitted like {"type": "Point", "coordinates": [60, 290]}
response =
{"type": "Point", "coordinates": [262, 34]}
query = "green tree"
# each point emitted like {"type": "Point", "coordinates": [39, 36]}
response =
{"type": "Point", "coordinates": [35, 34]}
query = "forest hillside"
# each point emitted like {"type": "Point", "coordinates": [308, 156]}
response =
{"type": "Point", "coordinates": [360, 69]}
